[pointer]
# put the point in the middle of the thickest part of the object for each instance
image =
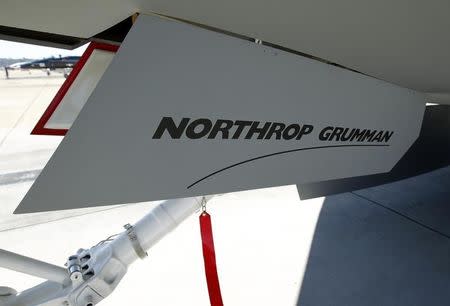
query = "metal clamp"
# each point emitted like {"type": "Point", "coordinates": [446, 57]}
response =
{"type": "Point", "coordinates": [203, 203]}
{"type": "Point", "coordinates": [135, 241]}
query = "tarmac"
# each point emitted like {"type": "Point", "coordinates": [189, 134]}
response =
{"type": "Point", "coordinates": [384, 245]}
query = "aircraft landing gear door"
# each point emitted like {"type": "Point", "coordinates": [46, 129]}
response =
{"type": "Point", "coordinates": [184, 111]}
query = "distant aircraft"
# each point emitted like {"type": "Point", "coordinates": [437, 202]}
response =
{"type": "Point", "coordinates": [59, 64]}
{"type": "Point", "coordinates": [17, 65]}
{"type": "Point", "coordinates": [51, 63]}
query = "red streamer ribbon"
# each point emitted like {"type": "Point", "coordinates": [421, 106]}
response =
{"type": "Point", "coordinates": [209, 257]}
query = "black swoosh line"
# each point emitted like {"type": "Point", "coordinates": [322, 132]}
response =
{"type": "Point", "coordinates": [278, 153]}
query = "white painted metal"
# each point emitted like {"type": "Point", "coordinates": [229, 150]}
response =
{"type": "Point", "coordinates": [154, 226]}
{"type": "Point", "coordinates": [403, 42]}
{"type": "Point", "coordinates": [438, 98]}
{"type": "Point", "coordinates": [199, 73]}
{"type": "Point", "coordinates": [19, 263]}
{"type": "Point", "coordinates": [105, 264]}
{"type": "Point", "coordinates": [80, 90]}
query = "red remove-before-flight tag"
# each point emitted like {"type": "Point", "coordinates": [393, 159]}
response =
{"type": "Point", "coordinates": [209, 256]}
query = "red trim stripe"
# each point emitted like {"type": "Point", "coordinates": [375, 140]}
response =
{"type": "Point", "coordinates": [40, 128]}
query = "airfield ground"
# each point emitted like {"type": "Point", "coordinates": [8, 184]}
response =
{"type": "Point", "coordinates": [387, 245]}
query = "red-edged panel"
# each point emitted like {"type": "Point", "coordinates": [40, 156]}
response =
{"type": "Point", "coordinates": [40, 128]}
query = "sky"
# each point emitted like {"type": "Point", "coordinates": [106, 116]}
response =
{"type": "Point", "coordinates": [10, 49]}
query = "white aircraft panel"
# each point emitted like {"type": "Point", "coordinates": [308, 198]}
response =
{"type": "Point", "coordinates": [183, 111]}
